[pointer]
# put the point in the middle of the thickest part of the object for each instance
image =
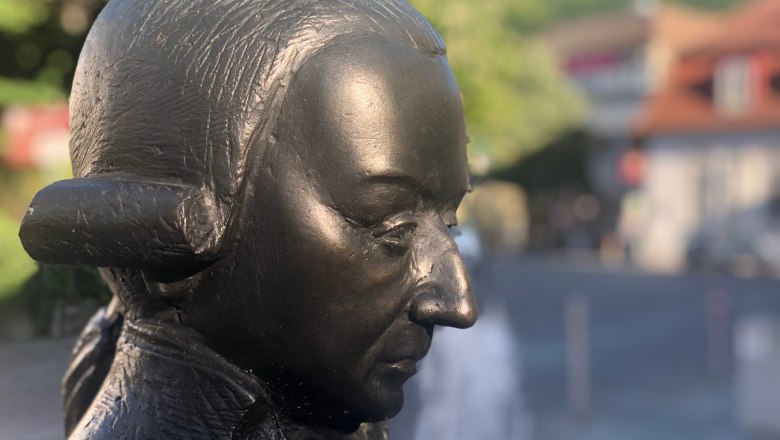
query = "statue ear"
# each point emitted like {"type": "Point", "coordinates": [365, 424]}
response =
{"type": "Point", "coordinates": [118, 223]}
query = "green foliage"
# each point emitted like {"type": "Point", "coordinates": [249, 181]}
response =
{"type": "Point", "coordinates": [17, 16]}
{"type": "Point", "coordinates": [560, 164]}
{"type": "Point", "coordinates": [712, 4]}
{"type": "Point", "coordinates": [40, 41]}
{"type": "Point", "coordinates": [15, 265]}
{"type": "Point", "coordinates": [51, 286]}
{"type": "Point", "coordinates": [514, 97]}
{"type": "Point", "coordinates": [20, 91]}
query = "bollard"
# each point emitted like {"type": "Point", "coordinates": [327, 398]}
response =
{"type": "Point", "coordinates": [576, 311]}
{"type": "Point", "coordinates": [718, 335]}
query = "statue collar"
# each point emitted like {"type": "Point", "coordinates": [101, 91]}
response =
{"type": "Point", "coordinates": [185, 380]}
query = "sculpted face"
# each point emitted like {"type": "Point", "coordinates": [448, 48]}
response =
{"type": "Point", "coordinates": [347, 251]}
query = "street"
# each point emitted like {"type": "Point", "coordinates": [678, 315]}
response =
{"type": "Point", "coordinates": [30, 372]}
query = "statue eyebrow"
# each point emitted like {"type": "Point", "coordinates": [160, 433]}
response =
{"type": "Point", "coordinates": [409, 185]}
{"type": "Point", "coordinates": [403, 181]}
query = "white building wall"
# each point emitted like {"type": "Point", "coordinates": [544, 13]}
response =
{"type": "Point", "coordinates": [756, 172]}
{"type": "Point", "coordinates": [697, 182]}
{"type": "Point", "coordinates": [671, 192]}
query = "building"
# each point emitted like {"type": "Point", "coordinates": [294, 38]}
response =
{"type": "Point", "coordinates": [617, 60]}
{"type": "Point", "coordinates": [710, 135]}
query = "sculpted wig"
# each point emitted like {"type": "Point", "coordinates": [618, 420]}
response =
{"type": "Point", "coordinates": [174, 103]}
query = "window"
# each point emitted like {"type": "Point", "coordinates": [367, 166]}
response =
{"type": "Point", "coordinates": [734, 85]}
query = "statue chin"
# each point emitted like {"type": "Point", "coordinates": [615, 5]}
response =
{"type": "Point", "coordinates": [384, 405]}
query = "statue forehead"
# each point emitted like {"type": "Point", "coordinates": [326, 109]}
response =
{"type": "Point", "coordinates": [379, 102]}
{"type": "Point", "coordinates": [370, 69]}
{"type": "Point", "coordinates": [374, 87]}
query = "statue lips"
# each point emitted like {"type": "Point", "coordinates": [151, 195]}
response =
{"type": "Point", "coordinates": [401, 359]}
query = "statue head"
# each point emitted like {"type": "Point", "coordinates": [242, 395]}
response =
{"type": "Point", "coordinates": [279, 177]}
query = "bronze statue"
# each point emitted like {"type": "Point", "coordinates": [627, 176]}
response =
{"type": "Point", "coordinates": [267, 187]}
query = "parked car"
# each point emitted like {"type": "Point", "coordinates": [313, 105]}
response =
{"type": "Point", "coordinates": [746, 242]}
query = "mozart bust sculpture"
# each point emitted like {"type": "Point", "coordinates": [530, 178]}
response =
{"type": "Point", "coordinates": [267, 188]}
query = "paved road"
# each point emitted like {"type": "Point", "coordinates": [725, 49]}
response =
{"type": "Point", "coordinates": [30, 373]}
{"type": "Point", "coordinates": [648, 339]}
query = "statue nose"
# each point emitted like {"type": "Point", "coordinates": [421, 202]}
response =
{"type": "Point", "coordinates": [446, 299]}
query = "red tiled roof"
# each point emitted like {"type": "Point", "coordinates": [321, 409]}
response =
{"type": "Point", "coordinates": [683, 29]}
{"type": "Point", "coordinates": [684, 104]}
{"type": "Point", "coordinates": [755, 25]}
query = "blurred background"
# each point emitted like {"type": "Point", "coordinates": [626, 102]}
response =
{"type": "Point", "coordinates": [623, 234]}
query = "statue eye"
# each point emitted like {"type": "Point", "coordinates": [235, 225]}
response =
{"type": "Point", "coordinates": [394, 233]}
{"type": "Point", "coordinates": [399, 233]}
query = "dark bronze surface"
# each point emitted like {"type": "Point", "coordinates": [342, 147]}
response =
{"type": "Point", "coordinates": [267, 187]}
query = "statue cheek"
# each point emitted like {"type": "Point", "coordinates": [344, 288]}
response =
{"type": "Point", "coordinates": [384, 271]}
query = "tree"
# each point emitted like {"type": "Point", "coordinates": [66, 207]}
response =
{"type": "Point", "coordinates": [40, 41]}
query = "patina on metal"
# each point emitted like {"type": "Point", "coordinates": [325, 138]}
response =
{"type": "Point", "coordinates": [267, 187]}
